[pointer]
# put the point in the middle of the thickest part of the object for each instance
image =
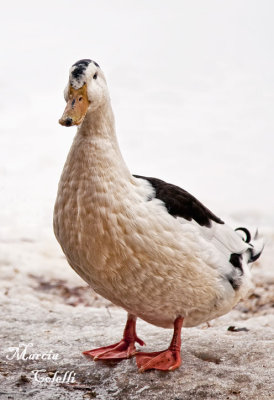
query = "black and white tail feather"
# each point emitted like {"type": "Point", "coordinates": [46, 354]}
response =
{"type": "Point", "coordinates": [239, 276]}
{"type": "Point", "coordinates": [256, 244]}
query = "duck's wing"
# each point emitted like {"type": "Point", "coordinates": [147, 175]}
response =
{"type": "Point", "coordinates": [182, 205]}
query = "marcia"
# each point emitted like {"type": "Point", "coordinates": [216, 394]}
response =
{"type": "Point", "coordinates": [20, 353]}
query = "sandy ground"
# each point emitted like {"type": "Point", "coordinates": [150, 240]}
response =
{"type": "Point", "coordinates": [49, 309]}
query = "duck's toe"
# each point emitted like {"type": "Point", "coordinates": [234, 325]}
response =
{"type": "Point", "coordinates": [120, 350]}
{"type": "Point", "coordinates": [166, 360]}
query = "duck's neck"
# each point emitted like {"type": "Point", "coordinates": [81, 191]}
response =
{"type": "Point", "coordinates": [99, 123]}
{"type": "Point", "coordinates": [97, 138]}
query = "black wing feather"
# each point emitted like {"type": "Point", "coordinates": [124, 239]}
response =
{"type": "Point", "coordinates": [180, 203]}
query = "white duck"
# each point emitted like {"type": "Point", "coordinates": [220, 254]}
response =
{"type": "Point", "coordinates": [146, 245]}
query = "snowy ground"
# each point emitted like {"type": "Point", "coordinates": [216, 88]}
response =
{"type": "Point", "coordinates": [192, 90]}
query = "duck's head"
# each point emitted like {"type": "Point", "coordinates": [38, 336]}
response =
{"type": "Point", "coordinates": [86, 91]}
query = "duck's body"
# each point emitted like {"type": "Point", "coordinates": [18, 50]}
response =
{"type": "Point", "coordinates": [147, 246]}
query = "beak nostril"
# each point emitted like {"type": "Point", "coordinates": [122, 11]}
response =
{"type": "Point", "coordinates": [68, 122]}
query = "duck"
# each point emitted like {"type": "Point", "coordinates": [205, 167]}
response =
{"type": "Point", "coordinates": [146, 245]}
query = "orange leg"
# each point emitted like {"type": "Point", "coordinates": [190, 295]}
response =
{"type": "Point", "coordinates": [123, 349]}
{"type": "Point", "coordinates": [166, 360]}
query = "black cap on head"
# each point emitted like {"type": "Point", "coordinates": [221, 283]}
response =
{"type": "Point", "coordinates": [78, 70]}
{"type": "Point", "coordinates": [81, 66]}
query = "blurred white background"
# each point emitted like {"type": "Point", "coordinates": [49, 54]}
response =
{"type": "Point", "coordinates": [191, 84]}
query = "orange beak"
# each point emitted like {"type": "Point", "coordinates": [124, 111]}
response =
{"type": "Point", "coordinates": [76, 108]}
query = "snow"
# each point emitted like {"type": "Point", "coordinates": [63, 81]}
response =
{"type": "Point", "coordinates": [192, 88]}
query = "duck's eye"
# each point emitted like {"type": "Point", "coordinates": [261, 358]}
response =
{"type": "Point", "coordinates": [80, 98]}
{"type": "Point", "coordinates": [95, 76]}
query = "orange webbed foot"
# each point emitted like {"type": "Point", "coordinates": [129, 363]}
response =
{"type": "Point", "coordinates": [166, 360]}
{"type": "Point", "coordinates": [117, 351]}
{"type": "Point", "coordinates": [123, 349]}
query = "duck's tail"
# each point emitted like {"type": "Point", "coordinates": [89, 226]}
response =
{"type": "Point", "coordinates": [256, 244]}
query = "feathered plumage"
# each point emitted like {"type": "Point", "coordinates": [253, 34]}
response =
{"type": "Point", "coordinates": [146, 245]}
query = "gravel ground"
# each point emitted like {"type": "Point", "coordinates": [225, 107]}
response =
{"type": "Point", "coordinates": [47, 309]}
